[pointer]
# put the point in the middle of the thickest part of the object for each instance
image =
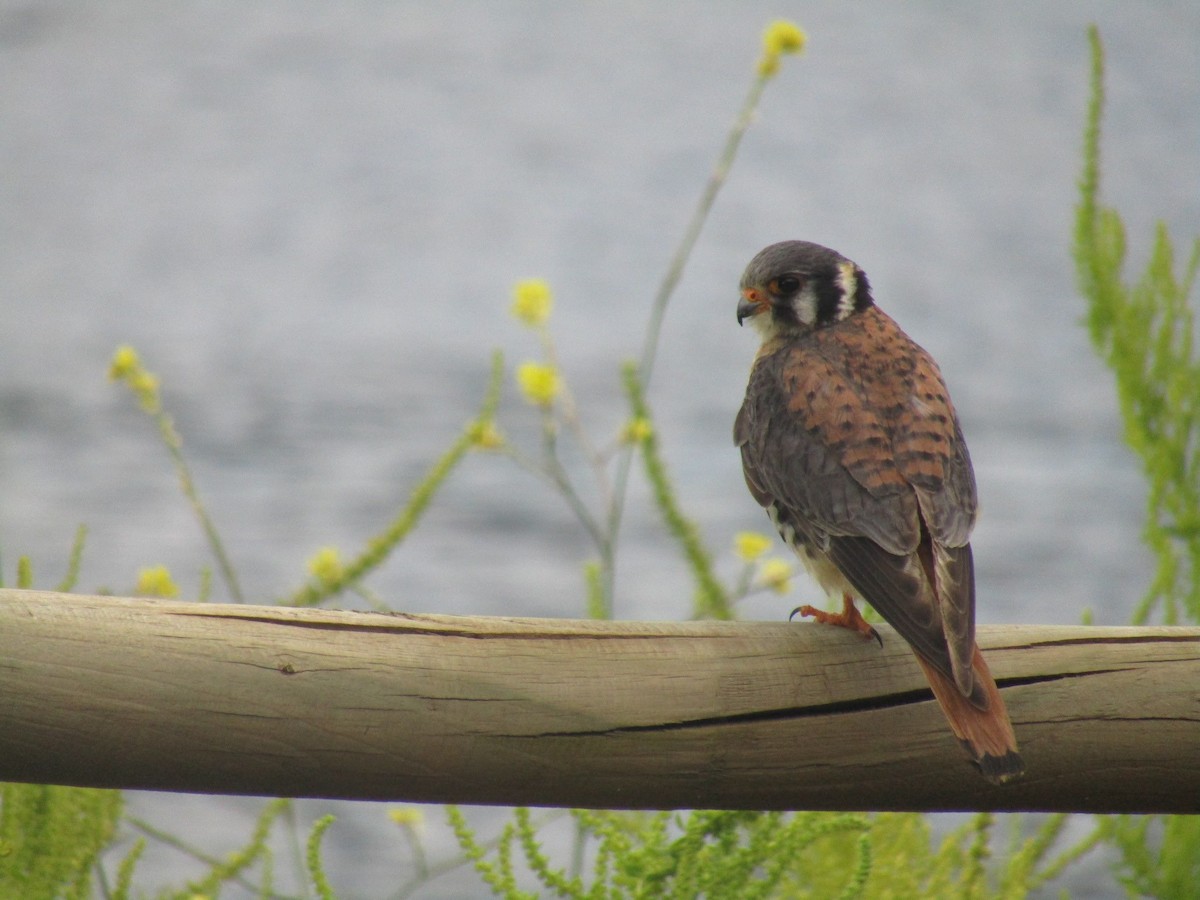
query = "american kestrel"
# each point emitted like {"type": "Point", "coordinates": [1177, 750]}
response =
{"type": "Point", "coordinates": [851, 444]}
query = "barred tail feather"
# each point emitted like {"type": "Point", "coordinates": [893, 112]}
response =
{"type": "Point", "coordinates": [986, 733]}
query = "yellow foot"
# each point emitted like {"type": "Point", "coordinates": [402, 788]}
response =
{"type": "Point", "coordinates": [849, 617]}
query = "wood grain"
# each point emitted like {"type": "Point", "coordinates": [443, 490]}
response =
{"type": "Point", "coordinates": [130, 693]}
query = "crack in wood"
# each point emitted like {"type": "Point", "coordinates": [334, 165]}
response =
{"type": "Point", "coordinates": [1020, 680]}
{"type": "Point", "coordinates": [838, 707]}
{"type": "Point", "coordinates": [886, 701]}
{"type": "Point", "coordinates": [405, 629]}
{"type": "Point", "coordinates": [1114, 639]}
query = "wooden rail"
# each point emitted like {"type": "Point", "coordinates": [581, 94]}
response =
{"type": "Point", "coordinates": [125, 693]}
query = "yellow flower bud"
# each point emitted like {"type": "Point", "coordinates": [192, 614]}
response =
{"type": "Point", "coordinates": [750, 545]}
{"type": "Point", "coordinates": [486, 436]}
{"type": "Point", "coordinates": [532, 301]}
{"type": "Point", "coordinates": [407, 817]}
{"type": "Point", "coordinates": [124, 363]}
{"type": "Point", "coordinates": [783, 36]}
{"type": "Point", "coordinates": [326, 566]}
{"type": "Point", "coordinates": [156, 581]}
{"type": "Point", "coordinates": [538, 382]}
{"type": "Point", "coordinates": [636, 430]}
{"type": "Point", "coordinates": [145, 387]}
{"type": "Point", "coordinates": [776, 574]}
{"type": "Point", "coordinates": [779, 38]}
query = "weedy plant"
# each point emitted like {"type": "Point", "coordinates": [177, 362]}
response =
{"type": "Point", "coordinates": [52, 838]}
{"type": "Point", "coordinates": [1144, 332]}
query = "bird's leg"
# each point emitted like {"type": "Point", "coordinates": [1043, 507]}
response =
{"type": "Point", "coordinates": [849, 617]}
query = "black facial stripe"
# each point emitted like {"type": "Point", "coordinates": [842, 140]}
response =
{"type": "Point", "coordinates": [825, 285]}
{"type": "Point", "coordinates": [784, 314]}
{"type": "Point", "coordinates": [862, 296]}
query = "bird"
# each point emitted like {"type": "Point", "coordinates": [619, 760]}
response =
{"type": "Point", "coordinates": [850, 442]}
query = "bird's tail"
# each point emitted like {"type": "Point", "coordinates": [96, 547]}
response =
{"type": "Point", "coordinates": [986, 733]}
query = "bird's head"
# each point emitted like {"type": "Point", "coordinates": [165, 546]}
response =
{"type": "Point", "coordinates": [794, 287]}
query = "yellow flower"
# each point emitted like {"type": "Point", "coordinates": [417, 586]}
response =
{"type": "Point", "coordinates": [326, 566]}
{"type": "Point", "coordinates": [407, 817]}
{"type": "Point", "coordinates": [637, 430]}
{"type": "Point", "coordinates": [156, 581]}
{"type": "Point", "coordinates": [127, 367]}
{"type": "Point", "coordinates": [486, 436]}
{"type": "Point", "coordinates": [783, 36]}
{"type": "Point", "coordinates": [750, 545]}
{"type": "Point", "coordinates": [532, 301]}
{"type": "Point", "coordinates": [124, 363]}
{"type": "Point", "coordinates": [145, 387]}
{"type": "Point", "coordinates": [538, 382]}
{"type": "Point", "coordinates": [776, 574]}
{"type": "Point", "coordinates": [779, 38]}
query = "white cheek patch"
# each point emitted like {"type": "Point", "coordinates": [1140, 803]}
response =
{"type": "Point", "coordinates": [848, 283]}
{"type": "Point", "coordinates": [764, 324]}
{"type": "Point", "coordinates": [805, 305]}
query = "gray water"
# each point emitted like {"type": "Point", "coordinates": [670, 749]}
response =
{"type": "Point", "coordinates": [307, 217]}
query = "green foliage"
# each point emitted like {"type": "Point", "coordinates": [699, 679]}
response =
{"type": "Point", "coordinates": [125, 870]}
{"type": "Point", "coordinates": [71, 577]}
{"type": "Point", "coordinates": [1160, 855]}
{"type": "Point", "coordinates": [312, 858]}
{"type": "Point", "coordinates": [734, 854]}
{"type": "Point", "coordinates": [1144, 332]}
{"type": "Point", "coordinates": [712, 600]}
{"type": "Point", "coordinates": [499, 876]}
{"type": "Point", "coordinates": [380, 547]}
{"type": "Point", "coordinates": [593, 583]}
{"type": "Point", "coordinates": [127, 367]}
{"type": "Point", "coordinates": [254, 860]}
{"type": "Point", "coordinates": [25, 566]}
{"type": "Point", "coordinates": [50, 838]}
{"type": "Point", "coordinates": [24, 572]}
{"type": "Point", "coordinates": [235, 866]}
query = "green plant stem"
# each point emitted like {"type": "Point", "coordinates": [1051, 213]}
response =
{"type": "Point", "coordinates": [658, 310]}
{"type": "Point", "coordinates": [473, 849]}
{"type": "Point", "coordinates": [71, 577]}
{"type": "Point", "coordinates": [569, 413]}
{"type": "Point", "coordinates": [692, 233]}
{"type": "Point", "coordinates": [1068, 856]}
{"type": "Point", "coordinates": [552, 472]}
{"type": "Point", "coordinates": [170, 840]}
{"type": "Point", "coordinates": [379, 547]}
{"type": "Point", "coordinates": [316, 871]}
{"type": "Point", "coordinates": [712, 600]}
{"type": "Point", "coordinates": [188, 485]}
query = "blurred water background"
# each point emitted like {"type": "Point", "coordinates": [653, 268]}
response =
{"type": "Point", "coordinates": [307, 217]}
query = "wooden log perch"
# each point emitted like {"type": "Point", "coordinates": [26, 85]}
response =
{"type": "Point", "coordinates": [123, 693]}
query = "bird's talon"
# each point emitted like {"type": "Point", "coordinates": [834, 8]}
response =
{"type": "Point", "coordinates": [849, 617]}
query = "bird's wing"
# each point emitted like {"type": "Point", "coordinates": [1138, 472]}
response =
{"type": "Point", "coordinates": [813, 447]}
{"type": "Point", "coordinates": [930, 452]}
{"type": "Point", "coordinates": [824, 451]}
{"type": "Point", "coordinates": [939, 621]}
{"type": "Point", "coordinates": [932, 456]}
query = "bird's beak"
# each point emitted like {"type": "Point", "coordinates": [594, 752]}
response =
{"type": "Point", "coordinates": [751, 304]}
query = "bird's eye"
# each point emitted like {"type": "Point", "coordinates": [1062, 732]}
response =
{"type": "Point", "coordinates": [784, 285]}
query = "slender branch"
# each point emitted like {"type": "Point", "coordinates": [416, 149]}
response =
{"type": "Point", "coordinates": [379, 547]}
{"type": "Point", "coordinates": [666, 289]}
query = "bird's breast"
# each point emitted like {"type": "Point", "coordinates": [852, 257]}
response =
{"type": "Point", "coordinates": [807, 550]}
